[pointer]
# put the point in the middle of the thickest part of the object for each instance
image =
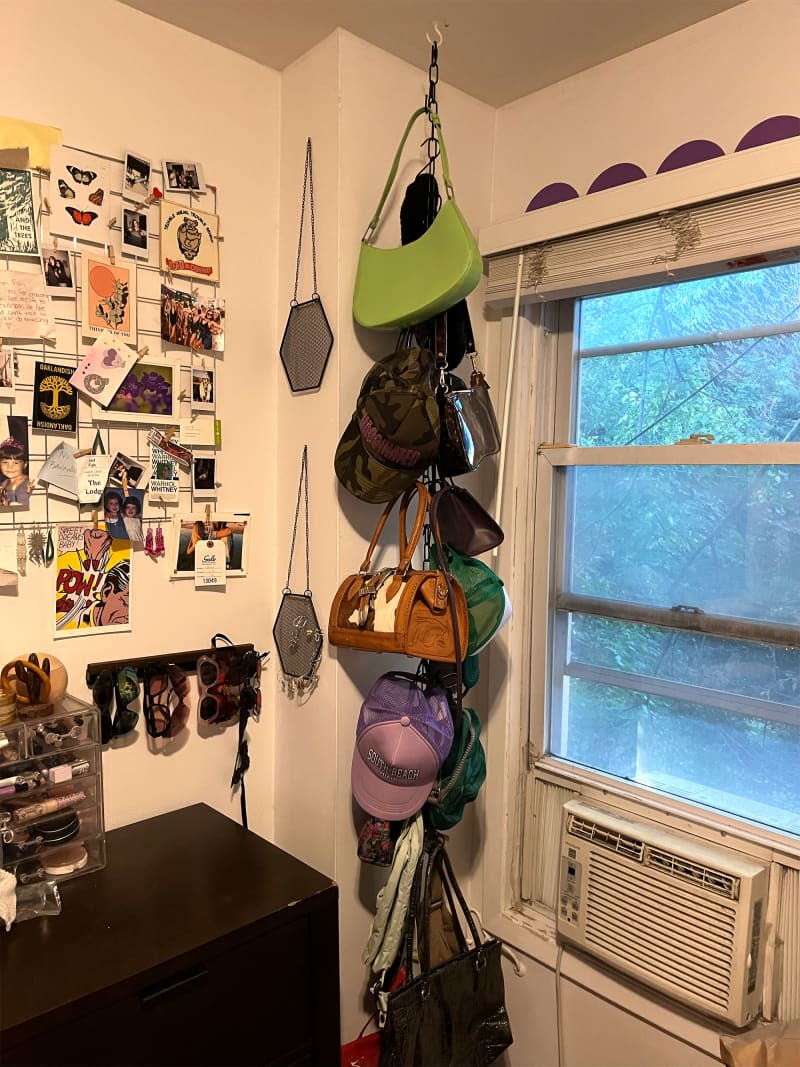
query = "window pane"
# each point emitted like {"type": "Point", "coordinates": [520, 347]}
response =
{"type": "Point", "coordinates": [727, 302]}
{"type": "Point", "coordinates": [735, 763]}
{"type": "Point", "coordinates": [720, 538]}
{"type": "Point", "coordinates": [742, 392]}
{"type": "Point", "coordinates": [766, 672]}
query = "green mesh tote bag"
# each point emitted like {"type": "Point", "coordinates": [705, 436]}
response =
{"type": "Point", "coordinates": [397, 287]}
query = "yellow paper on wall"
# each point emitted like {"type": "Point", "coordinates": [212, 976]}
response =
{"type": "Point", "coordinates": [17, 133]}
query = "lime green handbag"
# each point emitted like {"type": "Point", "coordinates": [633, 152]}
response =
{"type": "Point", "coordinates": [397, 287]}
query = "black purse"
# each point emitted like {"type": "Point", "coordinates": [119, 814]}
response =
{"type": "Point", "coordinates": [464, 523]}
{"type": "Point", "coordinates": [452, 1014]}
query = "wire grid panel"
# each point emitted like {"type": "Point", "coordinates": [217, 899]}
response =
{"type": "Point", "coordinates": [46, 505]}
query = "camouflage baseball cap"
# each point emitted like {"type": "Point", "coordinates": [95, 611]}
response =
{"type": "Point", "coordinates": [393, 435]}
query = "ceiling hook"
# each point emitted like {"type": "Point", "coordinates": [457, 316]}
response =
{"type": "Point", "coordinates": [439, 34]}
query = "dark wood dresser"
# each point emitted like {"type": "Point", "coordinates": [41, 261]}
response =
{"type": "Point", "coordinates": [199, 943]}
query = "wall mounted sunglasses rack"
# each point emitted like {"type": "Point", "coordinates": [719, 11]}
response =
{"type": "Point", "coordinates": [187, 661]}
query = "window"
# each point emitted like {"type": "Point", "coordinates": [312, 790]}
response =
{"type": "Point", "coordinates": [674, 562]}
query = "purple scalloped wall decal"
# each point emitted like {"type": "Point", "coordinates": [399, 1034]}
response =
{"type": "Point", "coordinates": [619, 174]}
{"type": "Point", "coordinates": [554, 193]}
{"type": "Point", "coordinates": [776, 128]}
{"type": "Point", "coordinates": [686, 155]}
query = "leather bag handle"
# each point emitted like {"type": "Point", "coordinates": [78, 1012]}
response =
{"type": "Point", "coordinates": [407, 546]}
{"type": "Point", "coordinates": [437, 125]}
{"type": "Point", "coordinates": [460, 652]}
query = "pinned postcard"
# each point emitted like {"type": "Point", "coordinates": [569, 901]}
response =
{"type": "Point", "coordinates": [165, 479]}
{"type": "Point", "coordinates": [80, 195]}
{"type": "Point", "coordinates": [103, 369]}
{"type": "Point", "coordinates": [192, 320]}
{"type": "Point", "coordinates": [36, 139]}
{"type": "Point", "coordinates": [92, 477]}
{"type": "Point", "coordinates": [189, 241]}
{"type": "Point", "coordinates": [24, 307]}
{"type": "Point", "coordinates": [60, 469]}
{"type": "Point", "coordinates": [199, 430]}
{"type": "Point", "coordinates": [17, 214]}
{"type": "Point", "coordinates": [190, 534]}
{"type": "Point", "coordinates": [108, 298]}
{"type": "Point", "coordinates": [93, 581]}
{"type": "Point", "coordinates": [55, 402]}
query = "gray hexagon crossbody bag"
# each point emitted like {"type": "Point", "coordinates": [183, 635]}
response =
{"type": "Point", "coordinates": [297, 634]}
{"type": "Point", "coordinates": [307, 339]}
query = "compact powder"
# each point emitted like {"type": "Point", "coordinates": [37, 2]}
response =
{"type": "Point", "coordinates": [64, 860]}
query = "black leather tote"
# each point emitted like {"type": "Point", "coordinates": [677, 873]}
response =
{"type": "Point", "coordinates": [453, 1013]}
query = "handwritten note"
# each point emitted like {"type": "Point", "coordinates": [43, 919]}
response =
{"type": "Point", "coordinates": [59, 470]}
{"type": "Point", "coordinates": [24, 305]}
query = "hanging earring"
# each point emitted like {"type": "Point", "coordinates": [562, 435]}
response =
{"type": "Point", "coordinates": [148, 543]}
{"type": "Point", "coordinates": [49, 548]}
{"type": "Point", "coordinates": [160, 550]}
{"type": "Point", "coordinates": [22, 552]}
{"type": "Point", "coordinates": [36, 545]}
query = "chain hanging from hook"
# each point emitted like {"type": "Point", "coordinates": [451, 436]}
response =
{"type": "Point", "coordinates": [431, 103]}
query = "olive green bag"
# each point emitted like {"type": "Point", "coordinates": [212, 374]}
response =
{"type": "Point", "coordinates": [397, 287]}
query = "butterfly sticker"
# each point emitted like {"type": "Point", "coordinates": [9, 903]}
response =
{"type": "Point", "coordinates": [96, 197]}
{"type": "Point", "coordinates": [82, 177]}
{"type": "Point", "coordinates": [81, 218]}
{"type": "Point", "coordinates": [66, 190]}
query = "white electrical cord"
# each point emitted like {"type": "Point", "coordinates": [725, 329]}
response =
{"type": "Point", "coordinates": [507, 404]}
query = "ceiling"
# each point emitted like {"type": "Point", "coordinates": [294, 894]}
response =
{"type": "Point", "coordinates": [495, 50]}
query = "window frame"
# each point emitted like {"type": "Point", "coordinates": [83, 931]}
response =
{"type": "Point", "coordinates": [556, 414]}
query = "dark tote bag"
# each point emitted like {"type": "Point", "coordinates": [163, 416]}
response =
{"type": "Point", "coordinates": [452, 1014]}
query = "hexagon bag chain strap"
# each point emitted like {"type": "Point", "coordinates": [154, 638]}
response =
{"type": "Point", "coordinates": [307, 339]}
{"type": "Point", "coordinates": [298, 637]}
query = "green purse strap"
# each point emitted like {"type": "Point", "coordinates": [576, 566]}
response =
{"type": "Point", "coordinates": [437, 125]}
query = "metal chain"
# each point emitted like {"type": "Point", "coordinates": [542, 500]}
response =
{"type": "Point", "coordinates": [308, 185]}
{"type": "Point", "coordinates": [432, 104]}
{"type": "Point", "coordinates": [303, 485]}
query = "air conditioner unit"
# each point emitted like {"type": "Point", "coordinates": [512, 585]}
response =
{"type": "Point", "coordinates": [681, 916]}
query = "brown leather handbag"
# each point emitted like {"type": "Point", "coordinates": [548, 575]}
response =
{"type": "Point", "coordinates": [399, 609]}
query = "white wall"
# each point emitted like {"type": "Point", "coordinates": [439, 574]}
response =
{"type": "Point", "coordinates": [714, 80]}
{"type": "Point", "coordinates": [113, 80]}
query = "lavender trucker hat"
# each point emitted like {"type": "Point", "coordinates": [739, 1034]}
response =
{"type": "Point", "coordinates": [402, 738]}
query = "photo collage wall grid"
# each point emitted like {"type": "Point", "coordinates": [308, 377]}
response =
{"type": "Point", "coordinates": [88, 366]}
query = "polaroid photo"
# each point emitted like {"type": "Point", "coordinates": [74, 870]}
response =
{"type": "Point", "coordinates": [148, 394]}
{"type": "Point", "coordinates": [134, 233]}
{"type": "Point", "coordinates": [204, 393]}
{"type": "Point", "coordinates": [232, 529]}
{"type": "Point", "coordinates": [59, 277]}
{"type": "Point", "coordinates": [9, 372]}
{"type": "Point", "coordinates": [180, 176]}
{"type": "Point", "coordinates": [136, 177]}
{"type": "Point", "coordinates": [204, 475]}
{"type": "Point", "coordinates": [135, 473]}
{"type": "Point", "coordinates": [191, 320]}
{"type": "Point", "coordinates": [15, 481]}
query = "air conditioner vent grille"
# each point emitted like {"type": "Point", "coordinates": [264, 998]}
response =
{"type": "Point", "coordinates": [726, 885]}
{"type": "Point", "coordinates": [619, 842]}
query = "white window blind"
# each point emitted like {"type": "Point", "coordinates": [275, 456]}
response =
{"type": "Point", "coordinates": [686, 242]}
